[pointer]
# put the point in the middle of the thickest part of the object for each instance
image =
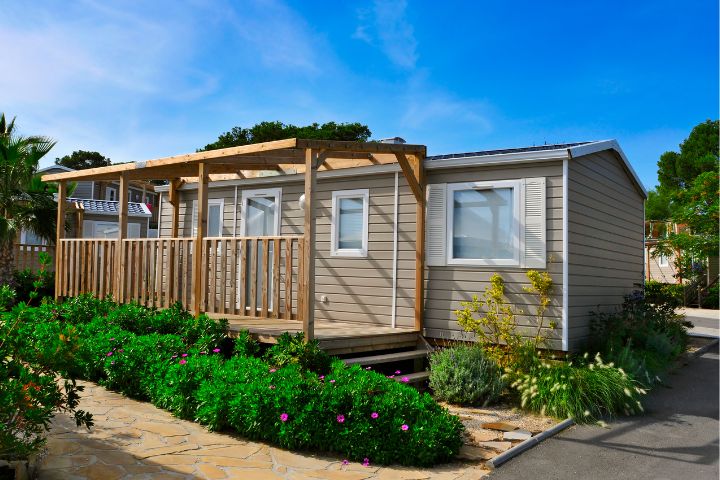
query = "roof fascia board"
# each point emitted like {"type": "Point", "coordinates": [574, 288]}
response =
{"type": "Point", "coordinates": [590, 148]}
{"type": "Point", "coordinates": [480, 160]}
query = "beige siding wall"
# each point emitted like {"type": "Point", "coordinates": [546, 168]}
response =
{"type": "Point", "coordinates": [447, 286]}
{"type": "Point", "coordinates": [357, 289]}
{"type": "Point", "coordinates": [659, 273]}
{"type": "Point", "coordinates": [605, 236]}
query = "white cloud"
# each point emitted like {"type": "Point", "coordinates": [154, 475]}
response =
{"type": "Point", "coordinates": [389, 27]}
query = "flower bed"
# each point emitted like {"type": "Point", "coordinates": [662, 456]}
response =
{"type": "Point", "coordinates": [185, 365]}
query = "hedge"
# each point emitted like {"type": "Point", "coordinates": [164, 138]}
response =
{"type": "Point", "coordinates": [187, 366]}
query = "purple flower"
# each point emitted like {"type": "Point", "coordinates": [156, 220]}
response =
{"type": "Point", "coordinates": [216, 350]}
{"type": "Point", "coordinates": [284, 417]}
{"type": "Point", "coordinates": [397, 372]}
{"type": "Point", "coordinates": [121, 350]}
{"type": "Point", "coordinates": [273, 370]}
{"type": "Point", "coordinates": [174, 356]}
{"type": "Point", "coordinates": [322, 377]}
{"type": "Point", "coordinates": [112, 363]}
{"type": "Point", "coordinates": [109, 354]}
{"type": "Point", "coordinates": [345, 462]}
{"type": "Point", "coordinates": [368, 368]}
{"type": "Point", "coordinates": [405, 379]}
{"type": "Point", "coordinates": [203, 353]}
{"type": "Point", "coordinates": [112, 339]}
{"type": "Point", "coordinates": [374, 415]}
{"type": "Point", "coordinates": [341, 418]}
{"type": "Point", "coordinates": [404, 427]}
{"type": "Point", "coordinates": [366, 462]}
{"type": "Point", "coordinates": [184, 355]}
{"type": "Point", "coordinates": [332, 381]}
{"type": "Point", "coordinates": [391, 376]}
{"type": "Point", "coordinates": [182, 362]}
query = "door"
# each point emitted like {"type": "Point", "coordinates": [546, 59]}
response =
{"type": "Point", "coordinates": [260, 217]}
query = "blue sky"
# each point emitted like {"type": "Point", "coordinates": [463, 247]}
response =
{"type": "Point", "coordinates": [140, 80]}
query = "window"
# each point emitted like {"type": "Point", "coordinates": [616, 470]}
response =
{"type": "Point", "coordinates": [111, 194]}
{"type": "Point", "coordinates": [99, 229]}
{"type": "Point", "coordinates": [214, 218]}
{"type": "Point", "coordinates": [349, 228]}
{"type": "Point", "coordinates": [494, 223]}
{"type": "Point", "coordinates": [28, 237]}
{"type": "Point", "coordinates": [663, 261]}
{"type": "Point", "coordinates": [483, 223]}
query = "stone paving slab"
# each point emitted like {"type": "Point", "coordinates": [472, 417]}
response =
{"type": "Point", "coordinates": [135, 440]}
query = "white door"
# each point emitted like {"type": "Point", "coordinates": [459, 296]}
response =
{"type": "Point", "coordinates": [260, 217]}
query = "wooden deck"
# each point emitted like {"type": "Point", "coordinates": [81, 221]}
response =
{"type": "Point", "coordinates": [336, 338]}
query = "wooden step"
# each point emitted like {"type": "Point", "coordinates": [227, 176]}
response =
{"type": "Point", "coordinates": [386, 358]}
{"type": "Point", "coordinates": [413, 377]}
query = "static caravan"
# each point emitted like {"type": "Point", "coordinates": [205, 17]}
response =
{"type": "Point", "coordinates": [369, 246]}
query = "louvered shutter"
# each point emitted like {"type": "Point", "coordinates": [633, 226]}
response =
{"type": "Point", "coordinates": [194, 218]}
{"type": "Point", "coordinates": [435, 225]}
{"type": "Point", "coordinates": [534, 228]}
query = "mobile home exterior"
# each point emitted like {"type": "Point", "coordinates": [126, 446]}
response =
{"type": "Point", "coordinates": [573, 210]}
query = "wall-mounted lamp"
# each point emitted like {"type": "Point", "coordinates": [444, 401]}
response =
{"type": "Point", "coordinates": [301, 202]}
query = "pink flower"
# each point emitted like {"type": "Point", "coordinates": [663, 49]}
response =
{"type": "Point", "coordinates": [273, 370]}
{"type": "Point", "coordinates": [112, 363]}
{"type": "Point", "coordinates": [216, 350]}
{"type": "Point", "coordinates": [112, 339]}
{"type": "Point", "coordinates": [368, 368]}
{"type": "Point", "coordinates": [397, 372]}
{"type": "Point", "coordinates": [374, 415]}
{"type": "Point", "coordinates": [405, 379]}
{"type": "Point", "coordinates": [183, 362]}
{"type": "Point", "coordinates": [203, 353]}
{"type": "Point", "coordinates": [391, 376]}
{"type": "Point", "coordinates": [184, 355]}
{"type": "Point", "coordinates": [322, 377]}
{"type": "Point", "coordinates": [284, 417]}
{"type": "Point", "coordinates": [109, 354]}
{"type": "Point", "coordinates": [345, 462]}
{"type": "Point", "coordinates": [272, 387]}
{"type": "Point", "coordinates": [332, 381]}
{"type": "Point", "coordinates": [174, 356]}
{"type": "Point", "coordinates": [366, 462]}
{"type": "Point", "coordinates": [341, 418]}
{"type": "Point", "coordinates": [121, 350]}
{"type": "Point", "coordinates": [404, 427]}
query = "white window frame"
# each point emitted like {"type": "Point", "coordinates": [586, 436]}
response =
{"type": "Point", "coordinates": [261, 193]}
{"type": "Point", "coordinates": [362, 252]}
{"type": "Point", "coordinates": [211, 201]}
{"type": "Point", "coordinates": [663, 261]}
{"type": "Point", "coordinates": [114, 194]}
{"type": "Point", "coordinates": [516, 185]}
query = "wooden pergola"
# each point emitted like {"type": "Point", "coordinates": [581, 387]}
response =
{"type": "Point", "coordinates": [283, 157]}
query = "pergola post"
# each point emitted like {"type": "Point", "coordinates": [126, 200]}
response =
{"type": "Point", "coordinates": [120, 254]}
{"type": "Point", "coordinates": [307, 281]}
{"type": "Point", "coordinates": [174, 228]}
{"type": "Point", "coordinates": [59, 235]}
{"type": "Point", "coordinates": [202, 204]}
{"type": "Point", "coordinates": [419, 171]}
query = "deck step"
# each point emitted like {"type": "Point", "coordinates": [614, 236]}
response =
{"type": "Point", "coordinates": [386, 358]}
{"type": "Point", "coordinates": [413, 377]}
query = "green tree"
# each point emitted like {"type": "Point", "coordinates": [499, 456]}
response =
{"type": "Point", "coordinates": [657, 205]}
{"type": "Point", "coordinates": [80, 160]}
{"type": "Point", "coordinates": [689, 183]}
{"type": "Point", "coordinates": [25, 202]}
{"type": "Point", "coordinates": [269, 131]}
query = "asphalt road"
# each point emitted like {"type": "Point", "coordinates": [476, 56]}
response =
{"type": "Point", "coordinates": [677, 438]}
{"type": "Point", "coordinates": [705, 319]}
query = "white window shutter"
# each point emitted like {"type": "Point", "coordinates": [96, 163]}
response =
{"type": "Point", "coordinates": [193, 225]}
{"type": "Point", "coordinates": [534, 225]}
{"type": "Point", "coordinates": [435, 225]}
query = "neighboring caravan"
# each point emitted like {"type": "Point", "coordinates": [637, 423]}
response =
{"type": "Point", "coordinates": [235, 243]}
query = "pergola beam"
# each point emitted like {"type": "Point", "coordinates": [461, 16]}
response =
{"type": "Point", "coordinates": [59, 235]}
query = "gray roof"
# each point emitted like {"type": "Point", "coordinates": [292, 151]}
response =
{"type": "Point", "coordinates": [106, 207]}
{"type": "Point", "coordinates": [482, 153]}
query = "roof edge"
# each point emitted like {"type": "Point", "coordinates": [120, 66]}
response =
{"type": "Point", "coordinates": [602, 145]}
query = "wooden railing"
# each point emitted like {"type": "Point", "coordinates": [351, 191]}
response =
{"type": "Point", "coordinates": [249, 276]}
{"type": "Point", "coordinates": [27, 256]}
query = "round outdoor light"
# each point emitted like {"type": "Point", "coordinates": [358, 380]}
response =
{"type": "Point", "coordinates": [301, 202]}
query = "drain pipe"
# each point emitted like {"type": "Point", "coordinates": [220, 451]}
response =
{"type": "Point", "coordinates": [395, 254]}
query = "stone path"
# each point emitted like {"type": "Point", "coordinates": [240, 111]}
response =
{"type": "Point", "coordinates": [135, 440]}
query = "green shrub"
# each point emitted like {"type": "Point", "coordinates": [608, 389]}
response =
{"type": "Point", "coordinates": [581, 391]}
{"type": "Point", "coordinates": [175, 390]}
{"type": "Point", "coordinates": [658, 293]}
{"type": "Point", "coordinates": [351, 411]}
{"type": "Point", "coordinates": [7, 297]}
{"type": "Point", "coordinates": [245, 345]}
{"type": "Point", "coordinates": [292, 349]}
{"type": "Point", "coordinates": [31, 284]}
{"type": "Point", "coordinates": [85, 307]}
{"type": "Point", "coordinates": [465, 375]}
{"type": "Point", "coordinates": [712, 299]}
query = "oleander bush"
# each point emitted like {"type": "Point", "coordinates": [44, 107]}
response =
{"type": "Point", "coordinates": [465, 375]}
{"type": "Point", "coordinates": [295, 396]}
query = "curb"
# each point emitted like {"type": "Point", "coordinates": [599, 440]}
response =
{"type": "Point", "coordinates": [704, 348]}
{"type": "Point", "coordinates": [529, 443]}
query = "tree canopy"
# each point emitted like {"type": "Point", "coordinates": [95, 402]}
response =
{"type": "Point", "coordinates": [269, 131]}
{"type": "Point", "coordinates": [81, 160]}
{"type": "Point", "coordinates": [688, 195]}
